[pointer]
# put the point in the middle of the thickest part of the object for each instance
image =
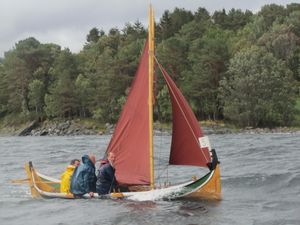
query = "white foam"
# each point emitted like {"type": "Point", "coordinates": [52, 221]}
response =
{"type": "Point", "coordinates": [154, 195]}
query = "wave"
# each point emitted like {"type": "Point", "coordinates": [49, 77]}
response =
{"type": "Point", "coordinates": [271, 181]}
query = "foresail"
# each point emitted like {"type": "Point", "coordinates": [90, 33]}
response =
{"type": "Point", "coordinates": [186, 131]}
{"type": "Point", "coordinates": [130, 141]}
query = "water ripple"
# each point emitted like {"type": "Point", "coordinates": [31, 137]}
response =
{"type": "Point", "coordinates": [260, 183]}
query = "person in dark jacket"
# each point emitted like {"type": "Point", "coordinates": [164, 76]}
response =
{"type": "Point", "coordinates": [106, 180]}
{"type": "Point", "coordinates": [84, 178]}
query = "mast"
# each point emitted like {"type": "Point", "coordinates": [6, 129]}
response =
{"type": "Point", "coordinates": [150, 96]}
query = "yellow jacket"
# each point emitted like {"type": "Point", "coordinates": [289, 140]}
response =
{"type": "Point", "coordinates": [66, 179]}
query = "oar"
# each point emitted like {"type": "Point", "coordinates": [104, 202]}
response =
{"type": "Point", "coordinates": [20, 181]}
{"type": "Point", "coordinates": [26, 180]}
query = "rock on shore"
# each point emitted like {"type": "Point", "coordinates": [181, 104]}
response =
{"type": "Point", "coordinates": [78, 127]}
{"type": "Point", "coordinates": [58, 129]}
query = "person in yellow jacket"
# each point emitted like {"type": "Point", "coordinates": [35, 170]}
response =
{"type": "Point", "coordinates": [66, 176]}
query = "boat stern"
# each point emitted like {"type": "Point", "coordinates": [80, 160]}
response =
{"type": "Point", "coordinates": [38, 182]}
{"type": "Point", "coordinates": [211, 189]}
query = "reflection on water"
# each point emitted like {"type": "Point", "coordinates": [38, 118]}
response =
{"type": "Point", "coordinates": [260, 183]}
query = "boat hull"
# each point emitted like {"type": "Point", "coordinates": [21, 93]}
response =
{"type": "Point", "coordinates": [211, 189]}
{"type": "Point", "coordinates": [207, 187]}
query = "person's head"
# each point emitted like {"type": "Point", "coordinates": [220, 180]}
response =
{"type": "Point", "coordinates": [111, 157]}
{"type": "Point", "coordinates": [103, 161]}
{"type": "Point", "coordinates": [92, 158]}
{"type": "Point", "coordinates": [75, 162]}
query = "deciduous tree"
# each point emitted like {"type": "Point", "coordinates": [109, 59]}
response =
{"type": "Point", "coordinates": [258, 91]}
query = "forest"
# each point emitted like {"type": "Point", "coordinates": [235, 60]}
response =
{"type": "Point", "coordinates": [236, 66]}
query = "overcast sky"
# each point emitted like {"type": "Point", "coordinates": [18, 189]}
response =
{"type": "Point", "coordinates": [67, 22]}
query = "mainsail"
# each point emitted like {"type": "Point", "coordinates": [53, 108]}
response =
{"type": "Point", "coordinates": [130, 141]}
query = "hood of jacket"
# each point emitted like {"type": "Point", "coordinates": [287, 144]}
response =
{"type": "Point", "coordinates": [84, 179]}
{"type": "Point", "coordinates": [86, 160]}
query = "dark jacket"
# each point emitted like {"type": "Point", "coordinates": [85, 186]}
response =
{"type": "Point", "coordinates": [84, 178]}
{"type": "Point", "coordinates": [106, 181]}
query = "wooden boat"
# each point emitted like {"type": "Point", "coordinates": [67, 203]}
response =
{"type": "Point", "coordinates": [132, 143]}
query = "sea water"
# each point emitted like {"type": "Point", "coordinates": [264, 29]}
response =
{"type": "Point", "coordinates": [260, 176]}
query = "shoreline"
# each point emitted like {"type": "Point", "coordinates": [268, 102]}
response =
{"type": "Point", "coordinates": [83, 127]}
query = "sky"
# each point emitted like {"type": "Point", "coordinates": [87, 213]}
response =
{"type": "Point", "coordinates": [67, 22]}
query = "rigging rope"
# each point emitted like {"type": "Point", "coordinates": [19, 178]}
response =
{"type": "Point", "coordinates": [160, 164]}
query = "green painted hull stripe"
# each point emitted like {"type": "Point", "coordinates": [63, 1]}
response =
{"type": "Point", "coordinates": [56, 186]}
{"type": "Point", "coordinates": [190, 187]}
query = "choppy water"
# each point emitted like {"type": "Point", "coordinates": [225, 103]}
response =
{"type": "Point", "coordinates": [260, 184]}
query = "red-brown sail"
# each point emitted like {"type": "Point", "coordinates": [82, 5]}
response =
{"type": "Point", "coordinates": [130, 141]}
{"type": "Point", "coordinates": [186, 131]}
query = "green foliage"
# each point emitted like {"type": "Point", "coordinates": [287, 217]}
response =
{"type": "Point", "coordinates": [171, 23]}
{"type": "Point", "coordinates": [237, 19]}
{"type": "Point", "coordinates": [294, 65]}
{"type": "Point", "coordinates": [93, 35]}
{"type": "Point", "coordinates": [208, 56]}
{"type": "Point", "coordinates": [28, 50]}
{"type": "Point", "coordinates": [107, 68]}
{"type": "Point", "coordinates": [234, 20]}
{"type": "Point", "coordinates": [165, 27]}
{"type": "Point", "coordinates": [164, 110]}
{"type": "Point", "coordinates": [214, 60]}
{"type": "Point", "coordinates": [293, 20]}
{"type": "Point", "coordinates": [18, 78]}
{"type": "Point", "coordinates": [119, 103]}
{"type": "Point", "coordinates": [128, 58]}
{"type": "Point", "coordinates": [194, 30]}
{"type": "Point", "coordinates": [133, 32]}
{"type": "Point", "coordinates": [173, 54]}
{"type": "Point", "coordinates": [258, 90]}
{"type": "Point", "coordinates": [292, 7]}
{"type": "Point", "coordinates": [297, 115]}
{"type": "Point", "coordinates": [36, 95]}
{"type": "Point", "coordinates": [98, 115]}
{"type": "Point", "coordinates": [52, 108]}
{"type": "Point", "coordinates": [179, 17]}
{"type": "Point", "coordinates": [202, 15]}
{"type": "Point", "coordinates": [84, 93]}
{"type": "Point", "coordinates": [280, 41]}
{"type": "Point", "coordinates": [62, 100]}
{"type": "Point", "coordinates": [272, 13]}
{"type": "Point", "coordinates": [3, 92]}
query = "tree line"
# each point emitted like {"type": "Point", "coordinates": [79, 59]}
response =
{"type": "Point", "coordinates": [231, 65]}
